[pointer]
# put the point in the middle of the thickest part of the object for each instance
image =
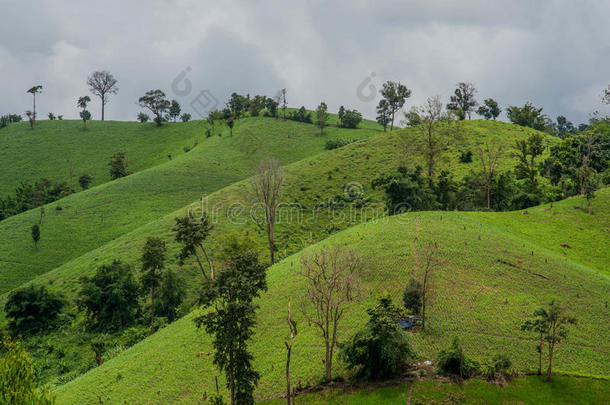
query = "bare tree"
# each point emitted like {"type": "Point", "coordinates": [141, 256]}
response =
{"type": "Point", "coordinates": [489, 160]}
{"type": "Point", "coordinates": [438, 129]}
{"type": "Point", "coordinates": [332, 281]}
{"type": "Point", "coordinates": [266, 187]}
{"type": "Point", "coordinates": [293, 332]}
{"type": "Point", "coordinates": [427, 261]}
{"type": "Point", "coordinates": [102, 84]}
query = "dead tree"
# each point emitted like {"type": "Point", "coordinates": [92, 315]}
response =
{"type": "Point", "coordinates": [293, 332]}
{"type": "Point", "coordinates": [266, 187]}
{"type": "Point", "coordinates": [332, 282]}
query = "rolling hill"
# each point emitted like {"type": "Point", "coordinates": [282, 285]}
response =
{"type": "Point", "coordinates": [87, 220]}
{"type": "Point", "coordinates": [478, 297]}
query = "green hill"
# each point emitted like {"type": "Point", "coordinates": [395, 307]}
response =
{"type": "Point", "coordinates": [48, 150]}
{"type": "Point", "coordinates": [478, 297]}
{"type": "Point", "coordinates": [89, 219]}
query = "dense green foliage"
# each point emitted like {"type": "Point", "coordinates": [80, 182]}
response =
{"type": "Point", "coordinates": [381, 350]}
{"type": "Point", "coordinates": [453, 361]}
{"type": "Point", "coordinates": [110, 297]}
{"type": "Point", "coordinates": [32, 310]}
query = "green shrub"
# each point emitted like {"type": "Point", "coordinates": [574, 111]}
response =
{"type": "Point", "coordinates": [452, 361]}
{"type": "Point", "coordinates": [412, 296]}
{"type": "Point", "coordinates": [380, 350]}
{"type": "Point", "coordinates": [32, 310]}
{"type": "Point", "coordinates": [336, 143]}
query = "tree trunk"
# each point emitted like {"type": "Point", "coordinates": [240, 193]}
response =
{"type": "Point", "coordinates": [152, 310]}
{"type": "Point", "coordinates": [328, 362]}
{"type": "Point", "coordinates": [210, 263]}
{"type": "Point", "coordinates": [540, 357]}
{"type": "Point", "coordinates": [289, 347]}
{"type": "Point", "coordinates": [550, 369]}
{"type": "Point", "coordinates": [201, 266]}
{"type": "Point", "coordinates": [392, 124]}
{"type": "Point", "coordinates": [488, 189]}
{"type": "Point", "coordinates": [103, 107]}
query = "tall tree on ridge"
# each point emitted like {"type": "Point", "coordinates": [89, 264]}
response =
{"type": "Point", "coordinates": [102, 84]}
{"type": "Point", "coordinates": [463, 102]}
{"type": "Point", "coordinates": [395, 94]}
{"type": "Point", "coordinates": [33, 91]}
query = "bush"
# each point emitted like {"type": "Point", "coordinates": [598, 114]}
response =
{"type": "Point", "coordinates": [85, 180]}
{"type": "Point", "coordinates": [32, 310]}
{"type": "Point", "coordinates": [499, 366]}
{"type": "Point", "coordinates": [380, 350]}
{"type": "Point", "coordinates": [301, 115]}
{"type": "Point", "coordinates": [186, 117]}
{"type": "Point", "coordinates": [336, 143]}
{"type": "Point", "coordinates": [143, 117]}
{"type": "Point", "coordinates": [110, 297]}
{"type": "Point", "coordinates": [452, 361]}
{"type": "Point", "coordinates": [466, 157]}
{"type": "Point", "coordinates": [351, 119]}
{"type": "Point", "coordinates": [118, 166]}
{"type": "Point", "coordinates": [412, 296]}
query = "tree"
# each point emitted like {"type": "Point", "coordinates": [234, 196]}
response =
{"type": "Point", "coordinates": [110, 297]}
{"type": "Point", "coordinates": [427, 261]}
{"type": "Point", "coordinates": [526, 152]}
{"type": "Point", "coordinates": [538, 326]}
{"type": "Point", "coordinates": [463, 102]}
{"type": "Point", "coordinates": [143, 117]}
{"type": "Point", "coordinates": [489, 161]}
{"type": "Point", "coordinates": [332, 281]}
{"type": "Point", "coordinates": [283, 103]}
{"type": "Point", "coordinates": [292, 325]}
{"type": "Point", "coordinates": [85, 180]}
{"type": "Point", "coordinates": [102, 84]}
{"type": "Point", "coordinates": [36, 235]}
{"type": "Point", "coordinates": [231, 124]}
{"type": "Point", "coordinates": [266, 188]}
{"type": "Point", "coordinates": [32, 310]}
{"type": "Point", "coordinates": [153, 263]}
{"type": "Point", "coordinates": [186, 117]}
{"type": "Point", "coordinates": [322, 116]}
{"type": "Point", "coordinates": [271, 106]}
{"type": "Point", "coordinates": [174, 110]}
{"type": "Point", "coordinates": [395, 95]}
{"type": "Point", "coordinates": [256, 105]}
{"type": "Point", "coordinates": [527, 116]}
{"type": "Point", "coordinates": [412, 296]}
{"type": "Point", "coordinates": [156, 102]}
{"type": "Point", "coordinates": [171, 294]}
{"type": "Point", "coordinates": [606, 96]}
{"type": "Point", "coordinates": [231, 321]}
{"type": "Point", "coordinates": [118, 166]}
{"type": "Point", "coordinates": [380, 350]}
{"type": "Point", "coordinates": [191, 233]}
{"type": "Point", "coordinates": [438, 130]}
{"type": "Point", "coordinates": [351, 119]}
{"type": "Point", "coordinates": [489, 109]}
{"type": "Point", "coordinates": [237, 105]}
{"type": "Point", "coordinates": [589, 178]}
{"type": "Point", "coordinates": [51, 116]}
{"type": "Point", "coordinates": [564, 126]}
{"type": "Point", "coordinates": [18, 377]}
{"type": "Point", "coordinates": [384, 115]}
{"type": "Point", "coordinates": [341, 113]}
{"type": "Point", "coordinates": [32, 115]}
{"type": "Point", "coordinates": [551, 325]}
{"type": "Point", "coordinates": [84, 114]}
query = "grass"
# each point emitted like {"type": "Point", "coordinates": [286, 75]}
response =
{"type": "Point", "coordinates": [476, 297]}
{"type": "Point", "coordinates": [529, 390]}
{"type": "Point", "coordinates": [92, 218]}
{"type": "Point", "coordinates": [48, 150]}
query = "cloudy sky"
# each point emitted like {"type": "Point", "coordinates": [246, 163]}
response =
{"type": "Point", "coordinates": [555, 54]}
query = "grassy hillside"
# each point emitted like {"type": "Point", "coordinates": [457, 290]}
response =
{"type": "Point", "coordinates": [476, 297]}
{"type": "Point", "coordinates": [529, 390]}
{"type": "Point", "coordinates": [92, 218]}
{"type": "Point", "coordinates": [48, 150]}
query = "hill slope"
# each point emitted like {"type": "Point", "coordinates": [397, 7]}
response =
{"type": "Point", "coordinates": [48, 150]}
{"type": "Point", "coordinates": [476, 297]}
{"type": "Point", "coordinates": [94, 217]}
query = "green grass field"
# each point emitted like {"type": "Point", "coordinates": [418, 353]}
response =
{"type": "Point", "coordinates": [531, 390]}
{"type": "Point", "coordinates": [476, 297]}
{"type": "Point", "coordinates": [99, 215]}
{"type": "Point", "coordinates": [48, 150]}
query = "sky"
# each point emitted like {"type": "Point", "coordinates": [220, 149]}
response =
{"type": "Point", "coordinates": [554, 54]}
